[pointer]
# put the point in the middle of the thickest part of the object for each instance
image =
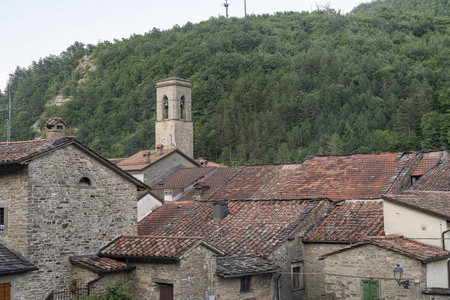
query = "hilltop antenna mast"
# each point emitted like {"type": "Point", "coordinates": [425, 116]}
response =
{"type": "Point", "coordinates": [226, 4]}
{"type": "Point", "coordinates": [245, 8]}
{"type": "Point", "coordinates": [9, 109]}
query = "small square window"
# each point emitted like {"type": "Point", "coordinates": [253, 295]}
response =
{"type": "Point", "coordinates": [168, 192]}
{"type": "Point", "coordinates": [245, 284]}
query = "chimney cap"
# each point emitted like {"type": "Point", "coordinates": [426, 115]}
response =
{"type": "Point", "coordinates": [53, 121]}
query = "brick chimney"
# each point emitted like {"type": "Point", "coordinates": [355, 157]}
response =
{"type": "Point", "coordinates": [55, 129]}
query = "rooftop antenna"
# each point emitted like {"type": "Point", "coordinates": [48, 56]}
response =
{"type": "Point", "coordinates": [9, 109]}
{"type": "Point", "coordinates": [226, 4]}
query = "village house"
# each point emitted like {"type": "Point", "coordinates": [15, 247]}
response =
{"type": "Point", "coordinates": [352, 253]}
{"type": "Point", "coordinates": [59, 198]}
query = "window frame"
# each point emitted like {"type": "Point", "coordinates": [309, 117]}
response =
{"type": "Point", "coordinates": [4, 208]}
{"type": "Point", "coordinates": [297, 280]}
{"type": "Point", "coordinates": [245, 284]}
{"type": "Point", "coordinates": [366, 293]}
{"type": "Point", "coordinates": [79, 181]}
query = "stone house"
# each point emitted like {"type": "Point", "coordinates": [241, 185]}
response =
{"type": "Point", "coordinates": [59, 198]}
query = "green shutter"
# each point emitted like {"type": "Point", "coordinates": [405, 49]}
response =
{"type": "Point", "coordinates": [370, 290]}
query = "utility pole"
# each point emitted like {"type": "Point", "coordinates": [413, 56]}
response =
{"type": "Point", "coordinates": [9, 109]}
{"type": "Point", "coordinates": [226, 4]}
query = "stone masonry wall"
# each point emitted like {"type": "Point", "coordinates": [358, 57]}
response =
{"type": "Point", "coordinates": [163, 165]}
{"type": "Point", "coordinates": [14, 194]}
{"type": "Point", "coordinates": [314, 269]}
{"type": "Point", "coordinates": [370, 262]}
{"type": "Point", "coordinates": [65, 219]}
{"type": "Point", "coordinates": [229, 288]}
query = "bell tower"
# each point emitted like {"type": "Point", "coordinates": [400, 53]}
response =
{"type": "Point", "coordinates": [174, 127]}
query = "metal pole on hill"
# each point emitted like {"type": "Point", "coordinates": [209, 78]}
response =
{"type": "Point", "coordinates": [9, 109]}
{"type": "Point", "coordinates": [226, 4]}
{"type": "Point", "coordinates": [245, 8]}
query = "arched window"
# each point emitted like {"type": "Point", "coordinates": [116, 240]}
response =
{"type": "Point", "coordinates": [166, 107]}
{"type": "Point", "coordinates": [182, 107]}
{"type": "Point", "coordinates": [84, 181]}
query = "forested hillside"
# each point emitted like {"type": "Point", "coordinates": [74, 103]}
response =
{"type": "Point", "coordinates": [270, 88]}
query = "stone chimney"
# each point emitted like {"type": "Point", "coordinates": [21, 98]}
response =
{"type": "Point", "coordinates": [220, 211]}
{"type": "Point", "coordinates": [55, 129]}
{"type": "Point", "coordinates": [160, 148]}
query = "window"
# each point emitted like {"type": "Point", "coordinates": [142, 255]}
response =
{"type": "Point", "coordinates": [84, 181]}
{"type": "Point", "coordinates": [59, 127]}
{"type": "Point", "coordinates": [2, 218]}
{"type": "Point", "coordinates": [166, 107]}
{"type": "Point", "coordinates": [370, 290]}
{"type": "Point", "coordinates": [182, 112]}
{"type": "Point", "coordinates": [245, 284]}
{"type": "Point", "coordinates": [198, 194]}
{"type": "Point", "coordinates": [168, 192]}
{"type": "Point", "coordinates": [297, 277]}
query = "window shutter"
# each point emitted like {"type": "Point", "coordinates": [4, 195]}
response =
{"type": "Point", "coordinates": [370, 290]}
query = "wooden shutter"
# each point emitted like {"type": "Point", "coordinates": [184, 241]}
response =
{"type": "Point", "coordinates": [5, 291]}
{"type": "Point", "coordinates": [370, 290]}
{"type": "Point", "coordinates": [165, 291]}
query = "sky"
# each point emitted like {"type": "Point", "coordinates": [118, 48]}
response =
{"type": "Point", "coordinates": [34, 29]}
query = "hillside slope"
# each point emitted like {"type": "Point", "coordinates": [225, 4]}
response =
{"type": "Point", "coordinates": [270, 88]}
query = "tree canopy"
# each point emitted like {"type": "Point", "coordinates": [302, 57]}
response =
{"type": "Point", "coordinates": [267, 88]}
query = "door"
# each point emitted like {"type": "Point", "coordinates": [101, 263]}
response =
{"type": "Point", "coordinates": [165, 291]}
{"type": "Point", "coordinates": [5, 291]}
{"type": "Point", "coordinates": [370, 290]}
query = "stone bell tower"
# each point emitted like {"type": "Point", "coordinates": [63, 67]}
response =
{"type": "Point", "coordinates": [174, 127]}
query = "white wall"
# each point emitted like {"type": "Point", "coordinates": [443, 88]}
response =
{"type": "Point", "coordinates": [137, 174]}
{"type": "Point", "coordinates": [437, 275]}
{"type": "Point", "coordinates": [412, 224]}
{"type": "Point", "coordinates": [146, 205]}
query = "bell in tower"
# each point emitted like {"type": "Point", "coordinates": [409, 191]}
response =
{"type": "Point", "coordinates": [173, 126]}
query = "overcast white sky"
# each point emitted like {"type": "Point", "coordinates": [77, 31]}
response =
{"type": "Point", "coordinates": [33, 29]}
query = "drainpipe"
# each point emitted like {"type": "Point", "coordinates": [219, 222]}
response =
{"type": "Point", "coordinates": [279, 287]}
{"type": "Point", "coordinates": [443, 239]}
{"type": "Point", "coordinates": [94, 281]}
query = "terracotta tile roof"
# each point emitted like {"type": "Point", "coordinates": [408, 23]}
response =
{"type": "Point", "coordinates": [237, 266]}
{"type": "Point", "coordinates": [100, 264]}
{"type": "Point", "coordinates": [251, 228]}
{"type": "Point", "coordinates": [18, 152]}
{"type": "Point", "coordinates": [401, 246]}
{"type": "Point", "coordinates": [163, 215]}
{"type": "Point", "coordinates": [12, 262]}
{"type": "Point", "coordinates": [143, 159]}
{"type": "Point", "coordinates": [437, 179]}
{"type": "Point", "coordinates": [358, 176]}
{"type": "Point", "coordinates": [214, 182]}
{"type": "Point", "coordinates": [425, 165]}
{"type": "Point", "coordinates": [350, 221]}
{"type": "Point", "coordinates": [116, 160]}
{"type": "Point", "coordinates": [436, 203]}
{"type": "Point", "coordinates": [151, 247]}
{"type": "Point", "coordinates": [54, 121]}
{"type": "Point", "coordinates": [180, 179]}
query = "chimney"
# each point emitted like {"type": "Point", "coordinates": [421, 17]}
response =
{"type": "Point", "coordinates": [55, 129]}
{"type": "Point", "coordinates": [160, 148]}
{"type": "Point", "coordinates": [147, 157]}
{"type": "Point", "coordinates": [168, 195]}
{"type": "Point", "coordinates": [220, 211]}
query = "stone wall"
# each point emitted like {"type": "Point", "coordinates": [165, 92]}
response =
{"type": "Point", "coordinates": [261, 288]}
{"type": "Point", "coordinates": [165, 164]}
{"type": "Point", "coordinates": [65, 219]}
{"type": "Point", "coordinates": [191, 276]}
{"type": "Point", "coordinates": [344, 272]}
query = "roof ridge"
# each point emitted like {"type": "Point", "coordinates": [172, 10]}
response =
{"type": "Point", "coordinates": [163, 236]}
